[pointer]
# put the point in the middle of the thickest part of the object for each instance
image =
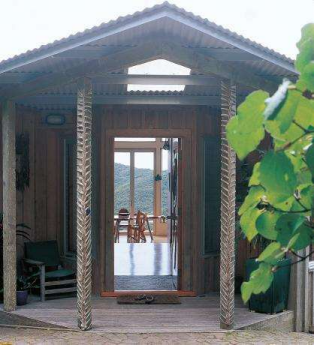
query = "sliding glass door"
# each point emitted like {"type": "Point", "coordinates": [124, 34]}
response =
{"type": "Point", "coordinates": [134, 187]}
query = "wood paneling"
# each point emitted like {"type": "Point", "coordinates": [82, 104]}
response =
{"type": "Point", "coordinates": [42, 202]}
{"type": "Point", "coordinates": [152, 122]}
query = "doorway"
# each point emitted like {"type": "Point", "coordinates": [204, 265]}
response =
{"type": "Point", "coordinates": [147, 183]}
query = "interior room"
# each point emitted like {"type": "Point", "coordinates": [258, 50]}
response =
{"type": "Point", "coordinates": [146, 222]}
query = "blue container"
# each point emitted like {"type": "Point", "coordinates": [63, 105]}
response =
{"type": "Point", "coordinates": [21, 297]}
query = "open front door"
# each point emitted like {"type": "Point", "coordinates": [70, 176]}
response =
{"type": "Point", "coordinates": [175, 208]}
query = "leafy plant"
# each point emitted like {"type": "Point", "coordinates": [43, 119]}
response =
{"type": "Point", "coordinates": [21, 231]}
{"type": "Point", "coordinates": [24, 283]}
{"type": "Point", "coordinates": [280, 203]}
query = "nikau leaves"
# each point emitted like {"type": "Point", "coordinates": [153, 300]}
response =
{"type": "Point", "coordinates": [280, 201]}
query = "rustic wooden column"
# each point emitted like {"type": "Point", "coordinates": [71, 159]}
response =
{"type": "Point", "coordinates": [9, 206]}
{"type": "Point", "coordinates": [83, 215]}
{"type": "Point", "coordinates": [228, 188]}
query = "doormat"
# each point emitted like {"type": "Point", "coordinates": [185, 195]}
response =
{"type": "Point", "coordinates": [148, 299]}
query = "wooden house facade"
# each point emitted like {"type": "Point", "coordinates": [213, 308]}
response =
{"type": "Point", "coordinates": [82, 80]}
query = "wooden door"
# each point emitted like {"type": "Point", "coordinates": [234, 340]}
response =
{"type": "Point", "coordinates": [175, 209]}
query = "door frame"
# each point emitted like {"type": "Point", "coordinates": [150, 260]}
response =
{"type": "Point", "coordinates": [185, 253]}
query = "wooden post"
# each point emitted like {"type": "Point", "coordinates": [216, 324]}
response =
{"type": "Point", "coordinates": [83, 215]}
{"type": "Point", "coordinates": [299, 292]}
{"type": "Point", "coordinates": [9, 206]}
{"type": "Point", "coordinates": [228, 189]}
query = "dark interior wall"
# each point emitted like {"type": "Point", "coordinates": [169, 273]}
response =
{"type": "Point", "coordinates": [40, 205]}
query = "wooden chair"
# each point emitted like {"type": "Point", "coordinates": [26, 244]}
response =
{"type": "Point", "coordinates": [136, 232]}
{"type": "Point", "coordinates": [123, 216]}
{"type": "Point", "coordinates": [42, 259]}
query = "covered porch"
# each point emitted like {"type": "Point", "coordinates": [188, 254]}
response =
{"type": "Point", "coordinates": [84, 80]}
{"type": "Point", "coordinates": [197, 314]}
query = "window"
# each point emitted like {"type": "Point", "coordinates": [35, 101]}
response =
{"type": "Point", "coordinates": [69, 172]}
{"type": "Point", "coordinates": [211, 195]}
{"type": "Point", "coordinates": [158, 67]}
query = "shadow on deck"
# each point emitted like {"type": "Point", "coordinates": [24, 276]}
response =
{"type": "Point", "coordinates": [195, 314]}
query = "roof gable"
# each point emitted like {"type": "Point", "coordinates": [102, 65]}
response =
{"type": "Point", "coordinates": [155, 18]}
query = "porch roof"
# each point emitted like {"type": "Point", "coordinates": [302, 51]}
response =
{"type": "Point", "coordinates": [189, 32]}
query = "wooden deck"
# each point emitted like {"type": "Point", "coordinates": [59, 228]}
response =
{"type": "Point", "coordinates": [195, 314]}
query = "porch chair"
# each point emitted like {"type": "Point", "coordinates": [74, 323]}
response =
{"type": "Point", "coordinates": [42, 259]}
{"type": "Point", "coordinates": [136, 232]}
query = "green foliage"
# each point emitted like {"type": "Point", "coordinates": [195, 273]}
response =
{"type": "Point", "coordinates": [250, 130]}
{"type": "Point", "coordinates": [280, 202]}
{"type": "Point", "coordinates": [144, 189]}
{"type": "Point", "coordinates": [260, 281]}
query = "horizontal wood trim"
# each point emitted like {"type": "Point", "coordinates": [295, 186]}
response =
{"type": "Point", "coordinates": [56, 291]}
{"type": "Point", "coordinates": [61, 282]}
{"type": "Point", "coordinates": [146, 133]}
{"type": "Point", "coordinates": [179, 293]}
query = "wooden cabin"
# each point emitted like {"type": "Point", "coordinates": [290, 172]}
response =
{"type": "Point", "coordinates": [66, 103]}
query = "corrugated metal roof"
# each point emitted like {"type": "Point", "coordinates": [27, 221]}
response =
{"type": "Point", "coordinates": [164, 9]}
{"type": "Point", "coordinates": [163, 20]}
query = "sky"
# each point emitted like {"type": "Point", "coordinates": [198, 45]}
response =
{"type": "Point", "coordinates": [27, 24]}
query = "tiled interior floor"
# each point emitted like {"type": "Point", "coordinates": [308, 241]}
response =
{"type": "Point", "coordinates": [142, 266]}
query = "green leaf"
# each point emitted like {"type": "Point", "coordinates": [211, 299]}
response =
{"type": "Point", "coordinates": [276, 200]}
{"type": "Point", "coordinates": [247, 222]}
{"type": "Point", "coordinates": [287, 225]}
{"type": "Point", "coordinates": [306, 54]}
{"type": "Point", "coordinates": [286, 113]}
{"type": "Point", "coordinates": [252, 199]}
{"type": "Point", "coordinates": [306, 195]}
{"type": "Point", "coordinates": [260, 281]}
{"type": "Point", "coordinates": [266, 224]}
{"type": "Point", "coordinates": [309, 158]}
{"type": "Point", "coordinates": [303, 116]}
{"type": "Point", "coordinates": [272, 254]}
{"type": "Point", "coordinates": [275, 102]}
{"type": "Point", "coordinates": [307, 32]}
{"type": "Point", "coordinates": [307, 77]}
{"type": "Point", "coordinates": [245, 130]}
{"type": "Point", "coordinates": [301, 239]}
{"type": "Point", "coordinates": [255, 178]}
{"type": "Point", "coordinates": [277, 176]}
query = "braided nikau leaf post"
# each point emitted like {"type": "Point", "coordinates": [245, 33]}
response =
{"type": "Point", "coordinates": [228, 188]}
{"type": "Point", "coordinates": [84, 191]}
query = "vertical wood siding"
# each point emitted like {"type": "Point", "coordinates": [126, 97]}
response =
{"type": "Point", "coordinates": [40, 206]}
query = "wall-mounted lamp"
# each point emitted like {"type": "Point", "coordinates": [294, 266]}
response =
{"type": "Point", "coordinates": [55, 119]}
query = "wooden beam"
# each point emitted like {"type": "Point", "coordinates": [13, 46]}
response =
{"type": "Point", "coordinates": [9, 206]}
{"type": "Point", "coordinates": [90, 52]}
{"type": "Point", "coordinates": [96, 52]}
{"type": "Point", "coordinates": [109, 63]}
{"type": "Point", "coordinates": [84, 198]}
{"type": "Point", "coordinates": [124, 79]}
{"type": "Point", "coordinates": [124, 99]}
{"type": "Point", "coordinates": [144, 79]}
{"type": "Point", "coordinates": [228, 188]}
{"type": "Point", "coordinates": [206, 64]}
{"type": "Point", "coordinates": [227, 54]}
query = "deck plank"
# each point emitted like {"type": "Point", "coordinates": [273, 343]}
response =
{"type": "Point", "coordinates": [195, 314]}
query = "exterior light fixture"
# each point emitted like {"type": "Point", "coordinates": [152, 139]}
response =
{"type": "Point", "coordinates": [55, 119]}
